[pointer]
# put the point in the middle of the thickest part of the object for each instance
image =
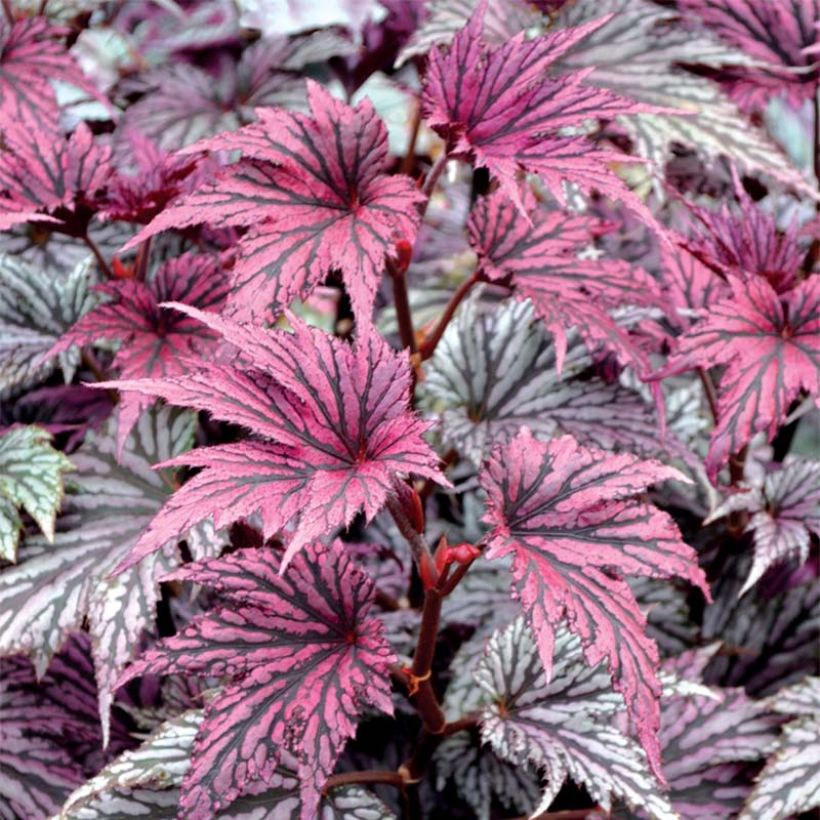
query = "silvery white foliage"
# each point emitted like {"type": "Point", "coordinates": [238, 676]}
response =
{"type": "Point", "coordinates": [144, 782]}
{"type": "Point", "coordinates": [790, 781]}
{"type": "Point", "coordinates": [638, 54]}
{"type": "Point", "coordinates": [57, 587]}
{"type": "Point", "coordinates": [494, 372]}
{"type": "Point", "coordinates": [564, 728]}
{"type": "Point", "coordinates": [35, 310]}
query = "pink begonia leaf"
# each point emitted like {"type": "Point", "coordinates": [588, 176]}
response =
{"type": "Point", "coordinates": [540, 252]}
{"type": "Point", "coordinates": [337, 422]}
{"type": "Point", "coordinates": [770, 348]}
{"type": "Point", "coordinates": [314, 193]}
{"type": "Point", "coordinates": [31, 57]}
{"type": "Point", "coordinates": [304, 662]}
{"type": "Point", "coordinates": [48, 178]}
{"type": "Point", "coordinates": [499, 108]}
{"type": "Point", "coordinates": [156, 341]}
{"type": "Point", "coordinates": [784, 510]}
{"type": "Point", "coordinates": [567, 515]}
{"type": "Point", "coordinates": [747, 242]}
{"type": "Point", "coordinates": [689, 286]}
{"type": "Point", "coordinates": [776, 34]}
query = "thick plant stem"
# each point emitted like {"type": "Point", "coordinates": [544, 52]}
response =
{"type": "Point", "coordinates": [431, 179]}
{"type": "Point", "coordinates": [709, 391]}
{"type": "Point", "coordinates": [402, 303]}
{"type": "Point", "coordinates": [418, 544]}
{"type": "Point", "coordinates": [428, 346]}
{"type": "Point", "coordinates": [424, 697]}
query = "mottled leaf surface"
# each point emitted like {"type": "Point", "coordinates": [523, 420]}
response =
{"type": "Point", "coordinates": [31, 477]}
{"type": "Point", "coordinates": [790, 781]}
{"type": "Point", "coordinates": [314, 193]}
{"type": "Point", "coordinates": [495, 371]}
{"type": "Point", "coordinates": [564, 727]}
{"type": "Point", "coordinates": [784, 511]}
{"type": "Point", "coordinates": [539, 251]}
{"type": "Point", "coordinates": [568, 516]}
{"type": "Point", "coordinates": [304, 660]}
{"type": "Point", "coordinates": [770, 348]}
{"type": "Point", "coordinates": [55, 588]}
{"type": "Point", "coordinates": [333, 431]}
{"type": "Point", "coordinates": [36, 308]}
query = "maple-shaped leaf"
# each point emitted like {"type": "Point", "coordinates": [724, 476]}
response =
{"type": "Point", "coordinates": [155, 341]}
{"type": "Point", "coordinates": [709, 741]}
{"type": "Point", "coordinates": [31, 58]}
{"type": "Point", "coordinates": [784, 510]}
{"type": "Point", "coordinates": [31, 477]}
{"type": "Point", "coordinates": [770, 347]}
{"type": "Point", "coordinates": [564, 727]}
{"type": "Point", "coordinates": [639, 53]}
{"type": "Point", "coordinates": [500, 109]}
{"type": "Point", "coordinates": [496, 371]}
{"type": "Point", "coordinates": [790, 781]}
{"type": "Point", "coordinates": [539, 252]}
{"type": "Point", "coordinates": [47, 178]}
{"type": "Point", "coordinates": [314, 193]}
{"type": "Point", "coordinates": [35, 310]}
{"type": "Point", "coordinates": [333, 426]}
{"type": "Point", "coordinates": [55, 588]}
{"type": "Point", "coordinates": [747, 241]}
{"type": "Point", "coordinates": [776, 35]}
{"type": "Point", "coordinates": [304, 660]}
{"type": "Point", "coordinates": [568, 516]}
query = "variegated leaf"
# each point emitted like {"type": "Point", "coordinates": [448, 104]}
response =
{"type": "Point", "coordinates": [57, 587]}
{"type": "Point", "coordinates": [31, 477]}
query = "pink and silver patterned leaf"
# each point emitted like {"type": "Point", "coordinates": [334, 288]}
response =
{"type": "Point", "coordinates": [568, 516]}
{"type": "Point", "coordinates": [154, 341]}
{"type": "Point", "coordinates": [47, 178]}
{"type": "Point", "coordinates": [775, 35]}
{"type": "Point", "coordinates": [564, 727]}
{"type": "Point", "coordinates": [638, 53]}
{"type": "Point", "coordinates": [304, 661]}
{"type": "Point", "coordinates": [783, 513]}
{"type": "Point", "coordinates": [708, 742]}
{"type": "Point", "coordinates": [770, 348]}
{"type": "Point", "coordinates": [500, 109]}
{"type": "Point", "coordinates": [790, 781]}
{"type": "Point", "coordinates": [496, 371]}
{"type": "Point", "coordinates": [539, 251]}
{"type": "Point", "coordinates": [31, 477]}
{"type": "Point", "coordinates": [314, 192]}
{"type": "Point", "coordinates": [335, 428]}
{"type": "Point", "coordinates": [31, 58]}
{"type": "Point", "coordinates": [56, 588]}
{"type": "Point", "coordinates": [35, 310]}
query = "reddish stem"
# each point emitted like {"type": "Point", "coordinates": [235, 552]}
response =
{"type": "Point", "coordinates": [410, 155]}
{"type": "Point", "coordinates": [8, 11]}
{"type": "Point", "coordinates": [402, 303]}
{"type": "Point", "coordinates": [431, 179]}
{"type": "Point", "coordinates": [104, 266]}
{"type": "Point", "coordinates": [428, 346]}
{"type": "Point", "coordinates": [369, 776]}
{"type": "Point", "coordinates": [711, 394]}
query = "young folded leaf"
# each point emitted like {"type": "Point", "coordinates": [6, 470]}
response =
{"type": "Point", "coordinates": [499, 108]}
{"type": "Point", "coordinates": [539, 251]}
{"type": "Point", "coordinates": [155, 341]}
{"type": "Point", "coordinates": [314, 193]}
{"type": "Point", "coordinates": [304, 660]}
{"type": "Point", "coordinates": [31, 477]}
{"type": "Point", "coordinates": [333, 432]}
{"type": "Point", "coordinates": [568, 516]}
{"type": "Point", "coordinates": [565, 727]}
{"type": "Point", "coordinates": [770, 346]}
